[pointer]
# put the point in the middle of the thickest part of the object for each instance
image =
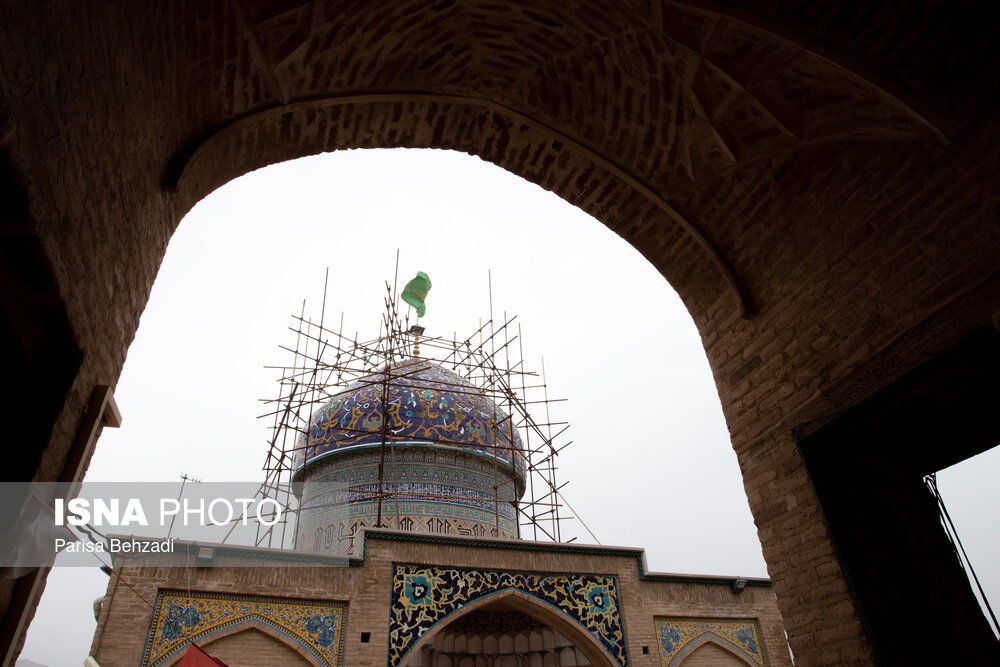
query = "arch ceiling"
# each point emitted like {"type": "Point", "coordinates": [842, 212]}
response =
{"type": "Point", "coordinates": [825, 169]}
{"type": "Point", "coordinates": [658, 104]}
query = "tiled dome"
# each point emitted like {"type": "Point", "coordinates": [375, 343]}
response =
{"type": "Point", "coordinates": [428, 405]}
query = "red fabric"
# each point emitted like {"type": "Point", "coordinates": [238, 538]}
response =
{"type": "Point", "coordinates": [195, 657]}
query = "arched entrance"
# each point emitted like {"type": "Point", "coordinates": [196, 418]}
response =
{"type": "Point", "coordinates": [507, 629]}
{"type": "Point", "coordinates": [712, 653]}
{"type": "Point", "coordinates": [252, 637]}
{"type": "Point", "coordinates": [830, 171]}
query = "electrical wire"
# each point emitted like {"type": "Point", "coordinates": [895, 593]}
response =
{"type": "Point", "coordinates": [956, 543]}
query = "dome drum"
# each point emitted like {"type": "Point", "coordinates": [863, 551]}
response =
{"type": "Point", "coordinates": [452, 462]}
{"type": "Point", "coordinates": [425, 489]}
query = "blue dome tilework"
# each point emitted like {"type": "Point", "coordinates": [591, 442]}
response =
{"type": "Point", "coordinates": [427, 404]}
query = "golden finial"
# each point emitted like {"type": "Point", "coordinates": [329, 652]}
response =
{"type": "Point", "coordinates": [416, 330]}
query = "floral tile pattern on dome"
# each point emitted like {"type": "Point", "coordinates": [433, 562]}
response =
{"type": "Point", "coordinates": [423, 596]}
{"type": "Point", "coordinates": [426, 403]}
{"type": "Point", "coordinates": [678, 637]}
{"type": "Point", "coordinates": [180, 617]}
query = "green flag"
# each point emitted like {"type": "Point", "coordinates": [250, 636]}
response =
{"type": "Point", "coordinates": [416, 291]}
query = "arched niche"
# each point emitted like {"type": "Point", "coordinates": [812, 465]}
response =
{"type": "Point", "coordinates": [251, 637]}
{"type": "Point", "coordinates": [710, 651]}
{"type": "Point", "coordinates": [555, 641]}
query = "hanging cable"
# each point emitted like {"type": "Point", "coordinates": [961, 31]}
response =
{"type": "Point", "coordinates": [956, 543]}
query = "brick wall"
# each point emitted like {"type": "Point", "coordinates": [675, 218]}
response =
{"type": "Point", "coordinates": [255, 644]}
{"type": "Point", "coordinates": [830, 177]}
{"type": "Point", "coordinates": [125, 613]}
{"type": "Point", "coordinates": [710, 655]}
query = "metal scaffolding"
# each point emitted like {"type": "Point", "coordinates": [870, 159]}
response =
{"type": "Point", "coordinates": [325, 362]}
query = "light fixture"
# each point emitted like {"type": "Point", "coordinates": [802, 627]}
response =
{"type": "Point", "coordinates": [204, 555]}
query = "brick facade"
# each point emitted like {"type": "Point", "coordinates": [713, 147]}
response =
{"type": "Point", "coordinates": [366, 583]}
{"type": "Point", "coordinates": [830, 172]}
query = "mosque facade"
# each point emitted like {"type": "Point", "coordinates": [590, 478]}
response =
{"type": "Point", "coordinates": [451, 583]}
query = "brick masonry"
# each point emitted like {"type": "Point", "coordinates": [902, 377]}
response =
{"type": "Point", "coordinates": [835, 164]}
{"type": "Point", "coordinates": [366, 586]}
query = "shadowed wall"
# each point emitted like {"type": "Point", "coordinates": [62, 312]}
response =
{"type": "Point", "coordinates": [818, 183]}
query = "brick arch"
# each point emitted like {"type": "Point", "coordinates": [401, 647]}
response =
{"type": "Point", "coordinates": [715, 641]}
{"type": "Point", "coordinates": [840, 160]}
{"type": "Point", "coordinates": [253, 624]}
{"type": "Point", "coordinates": [520, 143]}
{"type": "Point", "coordinates": [497, 134]}
{"type": "Point", "coordinates": [614, 158]}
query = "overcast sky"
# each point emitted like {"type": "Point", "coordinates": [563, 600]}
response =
{"type": "Point", "coordinates": [651, 465]}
